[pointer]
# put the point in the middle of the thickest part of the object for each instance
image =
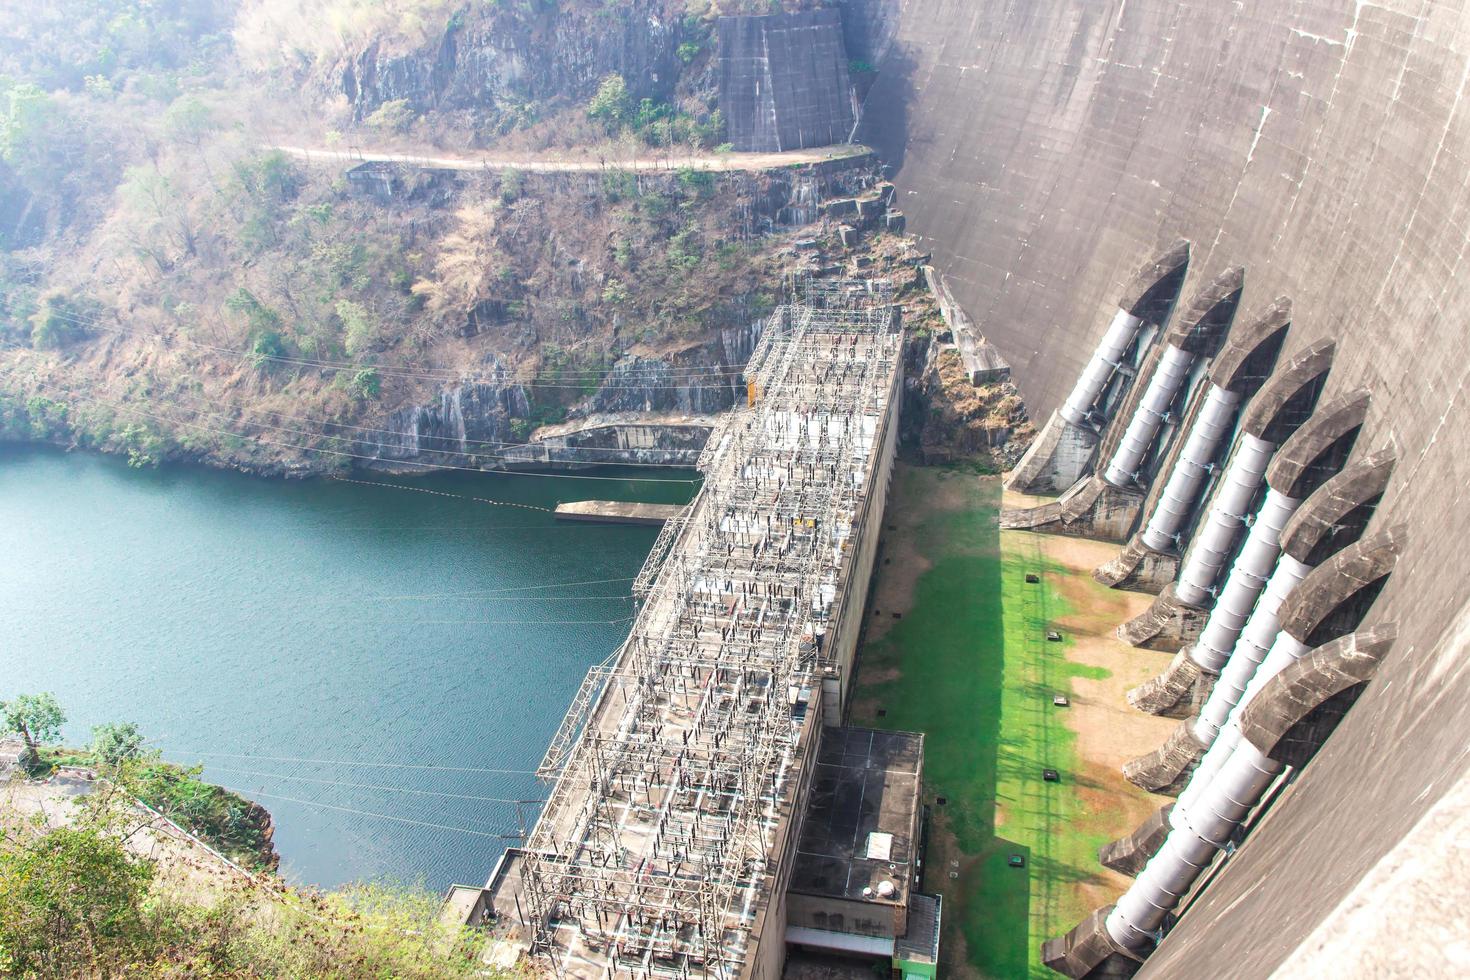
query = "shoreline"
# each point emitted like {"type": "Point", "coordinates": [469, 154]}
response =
{"type": "Point", "coordinates": [306, 471]}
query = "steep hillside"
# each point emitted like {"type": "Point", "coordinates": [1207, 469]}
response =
{"type": "Point", "coordinates": [173, 287]}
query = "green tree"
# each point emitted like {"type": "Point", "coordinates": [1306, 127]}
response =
{"type": "Point", "coordinates": [612, 105]}
{"type": "Point", "coordinates": [266, 348]}
{"type": "Point", "coordinates": [115, 742]}
{"type": "Point", "coordinates": [366, 384]}
{"type": "Point", "coordinates": [56, 323]}
{"type": "Point", "coordinates": [393, 116]}
{"type": "Point", "coordinates": [262, 318]}
{"type": "Point", "coordinates": [145, 447]}
{"type": "Point", "coordinates": [37, 137]}
{"type": "Point", "coordinates": [70, 898]}
{"type": "Point", "coordinates": [188, 120]}
{"type": "Point", "coordinates": [36, 718]}
{"type": "Point", "coordinates": [359, 327]}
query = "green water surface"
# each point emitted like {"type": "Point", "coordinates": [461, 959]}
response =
{"type": "Point", "coordinates": [378, 663]}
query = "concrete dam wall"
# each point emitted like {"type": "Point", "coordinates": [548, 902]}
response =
{"type": "Point", "coordinates": [1045, 151]}
{"type": "Point", "coordinates": [784, 81]}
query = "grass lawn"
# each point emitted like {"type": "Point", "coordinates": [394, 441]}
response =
{"type": "Point", "coordinates": [969, 665]}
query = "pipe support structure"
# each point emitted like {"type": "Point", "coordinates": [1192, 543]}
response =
{"type": "Point", "coordinates": [1195, 461]}
{"type": "Point", "coordinates": [1168, 377]}
{"type": "Point", "coordinates": [1248, 577]}
{"type": "Point", "coordinates": [1105, 360]}
{"type": "Point", "coordinates": [1243, 477]}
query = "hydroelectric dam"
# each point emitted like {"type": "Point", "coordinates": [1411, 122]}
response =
{"type": "Point", "coordinates": [1222, 247]}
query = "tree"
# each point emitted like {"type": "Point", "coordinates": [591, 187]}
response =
{"type": "Point", "coordinates": [56, 323]}
{"type": "Point", "coordinates": [462, 268]}
{"type": "Point", "coordinates": [612, 105]}
{"type": "Point", "coordinates": [366, 384]}
{"type": "Point", "coordinates": [36, 718]}
{"type": "Point", "coordinates": [393, 116]}
{"type": "Point", "coordinates": [156, 219]}
{"type": "Point", "coordinates": [116, 741]}
{"type": "Point", "coordinates": [70, 897]}
{"type": "Point", "coordinates": [188, 120]}
{"type": "Point", "coordinates": [37, 137]}
{"type": "Point", "coordinates": [359, 327]}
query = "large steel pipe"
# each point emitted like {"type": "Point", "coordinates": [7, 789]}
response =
{"type": "Point", "coordinates": [1105, 360]}
{"type": "Point", "coordinates": [1168, 378]}
{"type": "Point", "coordinates": [1261, 632]}
{"type": "Point", "coordinates": [1248, 577]}
{"type": "Point", "coordinates": [1228, 741]}
{"type": "Point", "coordinates": [1195, 460]}
{"type": "Point", "coordinates": [1190, 847]}
{"type": "Point", "coordinates": [1206, 557]}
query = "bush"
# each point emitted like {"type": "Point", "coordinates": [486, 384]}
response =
{"type": "Point", "coordinates": [612, 105]}
{"type": "Point", "coordinates": [366, 384]}
{"type": "Point", "coordinates": [393, 116]}
{"type": "Point", "coordinates": [359, 327]}
{"type": "Point", "coordinates": [71, 897]}
{"type": "Point", "coordinates": [227, 821]}
{"type": "Point", "coordinates": [57, 322]}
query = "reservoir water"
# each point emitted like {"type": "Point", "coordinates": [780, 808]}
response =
{"type": "Point", "coordinates": [379, 663]}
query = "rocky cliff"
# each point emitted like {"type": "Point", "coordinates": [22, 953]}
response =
{"type": "Point", "coordinates": [491, 59]}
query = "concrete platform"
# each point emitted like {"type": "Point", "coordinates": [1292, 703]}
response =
{"type": "Point", "coordinates": [618, 512]}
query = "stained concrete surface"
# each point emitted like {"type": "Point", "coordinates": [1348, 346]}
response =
{"type": "Point", "coordinates": [1042, 151]}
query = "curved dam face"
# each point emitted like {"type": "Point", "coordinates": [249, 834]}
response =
{"type": "Point", "coordinates": [1044, 151]}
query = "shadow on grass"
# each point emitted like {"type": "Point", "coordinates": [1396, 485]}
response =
{"type": "Point", "coordinates": [949, 652]}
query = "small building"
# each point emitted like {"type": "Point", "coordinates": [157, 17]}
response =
{"type": "Point", "coordinates": [853, 889]}
{"type": "Point", "coordinates": [375, 178]}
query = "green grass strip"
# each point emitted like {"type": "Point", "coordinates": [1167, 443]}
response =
{"type": "Point", "coordinates": [976, 674]}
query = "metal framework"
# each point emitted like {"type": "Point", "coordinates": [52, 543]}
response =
{"type": "Point", "coordinates": [652, 856]}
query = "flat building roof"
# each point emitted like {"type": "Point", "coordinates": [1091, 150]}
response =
{"type": "Point", "coordinates": [864, 804]}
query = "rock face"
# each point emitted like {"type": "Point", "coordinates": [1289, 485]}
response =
{"type": "Point", "coordinates": [961, 419]}
{"type": "Point", "coordinates": [700, 381]}
{"type": "Point", "coordinates": [267, 858]}
{"type": "Point", "coordinates": [473, 423]}
{"type": "Point", "coordinates": [467, 419]}
{"type": "Point", "coordinates": [490, 59]}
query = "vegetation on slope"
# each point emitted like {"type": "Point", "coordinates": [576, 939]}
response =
{"type": "Point", "coordinates": [75, 902]}
{"type": "Point", "coordinates": [170, 287]}
{"type": "Point", "coordinates": [90, 895]}
{"type": "Point", "coordinates": [238, 828]}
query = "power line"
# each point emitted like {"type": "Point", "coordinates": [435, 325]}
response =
{"type": "Point", "coordinates": [438, 452]}
{"type": "Point", "coordinates": [389, 789]}
{"type": "Point", "coordinates": [364, 765]}
{"type": "Point", "coordinates": [495, 622]}
{"type": "Point", "coordinates": [523, 588]}
{"type": "Point", "coordinates": [496, 443]}
{"type": "Point", "coordinates": [393, 371]}
{"type": "Point", "coordinates": [341, 453]}
{"type": "Point", "coordinates": [254, 794]}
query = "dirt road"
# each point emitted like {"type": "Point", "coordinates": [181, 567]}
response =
{"type": "Point", "coordinates": [573, 162]}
